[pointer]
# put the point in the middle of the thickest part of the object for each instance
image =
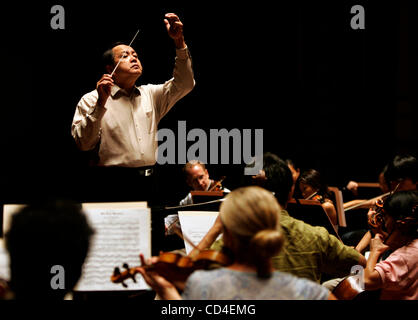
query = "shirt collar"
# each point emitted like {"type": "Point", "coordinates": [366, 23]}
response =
{"type": "Point", "coordinates": [116, 89]}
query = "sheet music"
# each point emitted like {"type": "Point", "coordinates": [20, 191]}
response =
{"type": "Point", "coordinates": [195, 225]}
{"type": "Point", "coordinates": [120, 235]}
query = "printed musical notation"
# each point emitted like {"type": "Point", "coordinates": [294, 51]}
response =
{"type": "Point", "coordinates": [120, 235]}
{"type": "Point", "coordinates": [195, 225]}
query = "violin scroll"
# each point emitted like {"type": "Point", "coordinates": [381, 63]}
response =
{"type": "Point", "coordinates": [120, 277]}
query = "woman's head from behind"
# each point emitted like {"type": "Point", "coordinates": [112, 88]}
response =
{"type": "Point", "coordinates": [251, 220]}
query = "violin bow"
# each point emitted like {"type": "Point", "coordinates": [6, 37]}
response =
{"type": "Point", "coordinates": [117, 65]}
{"type": "Point", "coordinates": [217, 183]}
{"type": "Point", "coordinates": [375, 198]}
{"type": "Point", "coordinates": [312, 195]}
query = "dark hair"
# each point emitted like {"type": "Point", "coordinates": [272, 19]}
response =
{"type": "Point", "coordinates": [401, 205]}
{"type": "Point", "coordinates": [279, 177]}
{"type": "Point", "coordinates": [313, 178]}
{"type": "Point", "coordinates": [108, 57]}
{"type": "Point", "coordinates": [401, 167]}
{"type": "Point", "coordinates": [41, 236]}
{"type": "Point", "coordinates": [383, 172]}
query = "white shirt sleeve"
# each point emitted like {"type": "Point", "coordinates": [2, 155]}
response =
{"type": "Point", "coordinates": [167, 94]}
{"type": "Point", "coordinates": [187, 200]}
{"type": "Point", "coordinates": [86, 122]}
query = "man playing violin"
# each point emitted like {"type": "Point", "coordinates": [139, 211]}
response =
{"type": "Point", "coordinates": [197, 178]}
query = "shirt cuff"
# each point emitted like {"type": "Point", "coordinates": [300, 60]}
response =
{"type": "Point", "coordinates": [183, 54]}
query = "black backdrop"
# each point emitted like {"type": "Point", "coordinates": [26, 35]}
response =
{"type": "Point", "coordinates": [329, 97]}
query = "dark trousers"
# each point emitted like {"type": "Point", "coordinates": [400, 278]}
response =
{"type": "Point", "coordinates": [119, 184]}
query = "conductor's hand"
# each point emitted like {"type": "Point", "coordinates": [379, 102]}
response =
{"type": "Point", "coordinates": [175, 29]}
{"type": "Point", "coordinates": [103, 88]}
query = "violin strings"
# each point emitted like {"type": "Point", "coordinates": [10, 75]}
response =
{"type": "Point", "coordinates": [124, 51]}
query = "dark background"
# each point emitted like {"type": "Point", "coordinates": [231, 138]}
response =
{"type": "Point", "coordinates": [339, 100]}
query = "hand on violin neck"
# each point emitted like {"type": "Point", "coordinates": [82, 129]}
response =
{"type": "Point", "coordinates": [147, 262]}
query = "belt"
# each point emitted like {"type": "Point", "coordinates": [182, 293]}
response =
{"type": "Point", "coordinates": [142, 171]}
{"type": "Point", "coordinates": [145, 172]}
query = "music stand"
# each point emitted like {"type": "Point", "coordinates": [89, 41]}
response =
{"type": "Point", "coordinates": [311, 212]}
{"type": "Point", "coordinates": [206, 196]}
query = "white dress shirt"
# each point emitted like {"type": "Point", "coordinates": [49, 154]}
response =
{"type": "Point", "coordinates": [126, 127]}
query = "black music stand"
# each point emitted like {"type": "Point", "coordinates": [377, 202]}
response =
{"type": "Point", "coordinates": [206, 196]}
{"type": "Point", "coordinates": [311, 212]}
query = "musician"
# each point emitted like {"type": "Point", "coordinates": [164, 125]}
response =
{"type": "Point", "coordinates": [397, 275]}
{"type": "Point", "coordinates": [402, 170]}
{"type": "Point", "coordinates": [197, 178]}
{"type": "Point", "coordinates": [118, 120]}
{"type": "Point", "coordinates": [400, 175]}
{"type": "Point", "coordinates": [312, 187]}
{"type": "Point", "coordinates": [270, 158]}
{"type": "Point", "coordinates": [251, 230]}
{"type": "Point", "coordinates": [353, 237]}
{"type": "Point", "coordinates": [42, 236]}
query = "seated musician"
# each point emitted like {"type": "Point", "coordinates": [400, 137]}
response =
{"type": "Point", "coordinates": [251, 231]}
{"type": "Point", "coordinates": [197, 178]}
{"type": "Point", "coordinates": [312, 188]}
{"type": "Point", "coordinates": [309, 251]}
{"type": "Point", "coordinates": [42, 236]}
{"type": "Point", "coordinates": [397, 275]}
{"type": "Point", "coordinates": [400, 175]}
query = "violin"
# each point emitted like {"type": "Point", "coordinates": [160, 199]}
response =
{"type": "Point", "coordinates": [174, 266]}
{"type": "Point", "coordinates": [217, 186]}
{"type": "Point", "coordinates": [375, 220]}
{"type": "Point", "coordinates": [318, 197]}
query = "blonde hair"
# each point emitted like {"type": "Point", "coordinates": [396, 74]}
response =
{"type": "Point", "coordinates": [252, 216]}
